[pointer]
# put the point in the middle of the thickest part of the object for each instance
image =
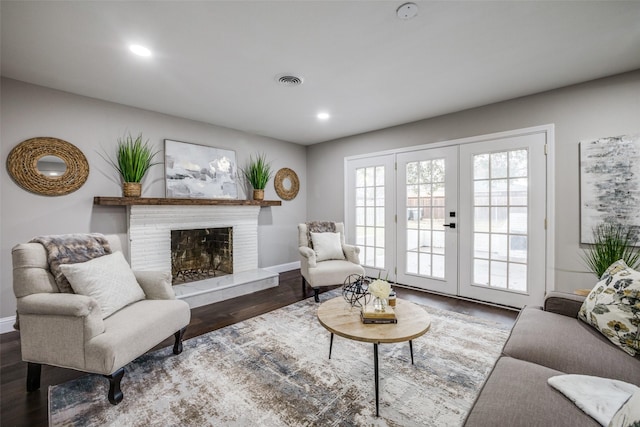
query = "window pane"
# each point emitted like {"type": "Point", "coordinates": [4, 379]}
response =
{"type": "Point", "coordinates": [498, 274]}
{"type": "Point", "coordinates": [499, 165]}
{"type": "Point", "coordinates": [518, 163]}
{"type": "Point", "coordinates": [379, 196]}
{"type": "Point", "coordinates": [380, 175]}
{"type": "Point", "coordinates": [425, 171]}
{"type": "Point", "coordinates": [425, 264]}
{"type": "Point", "coordinates": [481, 166]}
{"type": "Point", "coordinates": [370, 196]}
{"type": "Point", "coordinates": [370, 238]}
{"type": "Point", "coordinates": [518, 220]}
{"type": "Point", "coordinates": [369, 257]}
{"type": "Point", "coordinates": [518, 191]}
{"type": "Point", "coordinates": [412, 262]}
{"type": "Point", "coordinates": [369, 176]}
{"type": "Point", "coordinates": [518, 249]}
{"type": "Point", "coordinates": [438, 242]}
{"type": "Point", "coordinates": [425, 241]}
{"type": "Point", "coordinates": [360, 177]}
{"type": "Point", "coordinates": [380, 237]}
{"type": "Point", "coordinates": [359, 216]}
{"type": "Point", "coordinates": [359, 196]}
{"type": "Point", "coordinates": [437, 266]}
{"type": "Point", "coordinates": [499, 248]}
{"type": "Point", "coordinates": [380, 217]}
{"type": "Point", "coordinates": [481, 193]}
{"type": "Point", "coordinates": [480, 272]}
{"type": "Point", "coordinates": [412, 172]}
{"type": "Point", "coordinates": [380, 257]}
{"type": "Point", "coordinates": [371, 218]}
{"type": "Point", "coordinates": [360, 232]}
{"type": "Point", "coordinates": [499, 192]}
{"type": "Point", "coordinates": [518, 277]}
{"type": "Point", "coordinates": [412, 240]}
{"type": "Point", "coordinates": [481, 219]}
{"type": "Point", "coordinates": [437, 170]}
{"type": "Point", "coordinates": [481, 245]}
{"type": "Point", "coordinates": [499, 220]}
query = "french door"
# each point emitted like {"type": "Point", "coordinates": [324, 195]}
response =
{"type": "Point", "coordinates": [427, 195]}
{"type": "Point", "coordinates": [465, 219]}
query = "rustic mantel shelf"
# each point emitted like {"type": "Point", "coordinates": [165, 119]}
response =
{"type": "Point", "coordinates": [153, 201]}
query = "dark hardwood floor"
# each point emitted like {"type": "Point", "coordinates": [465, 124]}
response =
{"type": "Point", "coordinates": [20, 408]}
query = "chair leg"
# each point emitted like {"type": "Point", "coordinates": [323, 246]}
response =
{"type": "Point", "coordinates": [177, 346]}
{"type": "Point", "coordinates": [316, 292]}
{"type": "Point", "coordinates": [115, 394]}
{"type": "Point", "coordinates": [33, 376]}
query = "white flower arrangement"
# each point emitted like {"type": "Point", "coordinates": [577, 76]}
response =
{"type": "Point", "coordinates": [380, 288]}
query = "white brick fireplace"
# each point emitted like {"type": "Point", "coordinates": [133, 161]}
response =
{"type": "Point", "coordinates": [149, 231]}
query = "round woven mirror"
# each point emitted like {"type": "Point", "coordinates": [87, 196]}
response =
{"type": "Point", "coordinates": [286, 184]}
{"type": "Point", "coordinates": [48, 166]}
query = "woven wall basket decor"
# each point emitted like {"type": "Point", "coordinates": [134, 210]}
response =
{"type": "Point", "coordinates": [22, 165]}
{"type": "Point", "coordinates": [283, 177]}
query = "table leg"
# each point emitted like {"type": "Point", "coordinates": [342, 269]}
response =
{"type": "Point", "coordinates": [330, 345]}
{"type": "Point", "coordinates": [375, 364]}
{"type": "Point", "coordinates": [411, 349]}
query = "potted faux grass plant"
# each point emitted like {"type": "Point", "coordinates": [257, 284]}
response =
{"type": "Point", "coordinates": [258, 172]}
{"type": "Point", "coordinates": [611, 242]}
{"type": "Point", "coordinates": [134, 157]}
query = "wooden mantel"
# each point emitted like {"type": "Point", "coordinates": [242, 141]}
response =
{"type": "Point", "coordinates": [157, 201]}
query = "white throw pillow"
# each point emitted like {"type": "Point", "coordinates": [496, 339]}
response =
{"type": "Point", "coordinates": [108, 279]}
{"type": "Point", "coordinates": [327, 246]}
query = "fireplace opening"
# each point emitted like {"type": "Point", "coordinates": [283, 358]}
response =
{"type": "Point", "coordinates": [201, 254]}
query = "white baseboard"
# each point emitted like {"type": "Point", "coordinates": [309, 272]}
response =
{"type": "Point", "coordinates": [6, 324]}
{"type": "Point", "coordinates": [283, 267]}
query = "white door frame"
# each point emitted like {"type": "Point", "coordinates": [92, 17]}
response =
{"type": "Point", "coordinates": [549, 131]}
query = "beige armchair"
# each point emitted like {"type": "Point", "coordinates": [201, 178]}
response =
{"type": "Point", "coordinates": [68, 330]}
{"type": "Point", "coordinates": [318, 271]}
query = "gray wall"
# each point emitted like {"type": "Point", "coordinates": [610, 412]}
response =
{"type": "Point", "coordinates": [605, 107]}
{"type": "Point", "coordinates": [29, 111]}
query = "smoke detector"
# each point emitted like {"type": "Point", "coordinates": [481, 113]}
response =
{"type": "Point", "coordinates": [289, 80]}
{"type": "Point", "coordinates": [407, 11]}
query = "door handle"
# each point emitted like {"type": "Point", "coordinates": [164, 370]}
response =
{"type": "Point", "coordinates": [451, 224]}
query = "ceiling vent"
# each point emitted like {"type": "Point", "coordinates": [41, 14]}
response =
{"type": "Point", "coordinates": [289, 80]}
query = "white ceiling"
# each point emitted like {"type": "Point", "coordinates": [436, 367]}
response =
{"type": "Point", "coordinates": [217, 61]}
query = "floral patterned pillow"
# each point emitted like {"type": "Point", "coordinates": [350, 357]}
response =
{"type": "Point", "coordinates": [613, 307]}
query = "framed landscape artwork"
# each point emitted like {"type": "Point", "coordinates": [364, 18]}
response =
{"type": "Point", "coordinates": [609, 183]}
{"type": "Point", "coordinates": [199, 172]}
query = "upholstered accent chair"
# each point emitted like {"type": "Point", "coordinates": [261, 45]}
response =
{"type": "Point", "coordinates": [327, 261]}
{"type": "Point", "coordinates": [70, 330]}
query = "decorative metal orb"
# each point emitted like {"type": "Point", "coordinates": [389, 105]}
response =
{"type": "Point", "coordinates": [356, 290]}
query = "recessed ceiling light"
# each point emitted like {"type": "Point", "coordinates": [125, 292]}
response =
{"type": "Point", "coordinates": [323, 116]}
{"type": "Point", "coordinates": [139, 50]}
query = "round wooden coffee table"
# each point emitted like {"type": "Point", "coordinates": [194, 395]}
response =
{"type": "Point", "coordinates": [338, 317]}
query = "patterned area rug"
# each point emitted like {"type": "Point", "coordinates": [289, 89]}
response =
{"type": "Point", "coordinates": [273, 370]}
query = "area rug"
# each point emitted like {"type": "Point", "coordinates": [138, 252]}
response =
{"type": "Point", "coordinates": [273, 370]}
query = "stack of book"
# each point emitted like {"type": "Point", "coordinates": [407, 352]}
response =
{"type": "Point", "coordinates": [370, 316]}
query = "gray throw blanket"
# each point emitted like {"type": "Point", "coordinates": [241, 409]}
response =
{"type": "Point", "coordinates": [71, 249]}
{"type": "Point", "coordinates": [319, 227]}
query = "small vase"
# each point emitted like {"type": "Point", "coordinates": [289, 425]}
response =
{"type": "Point", "coordinates": [131, 189]}
{"type": "Point", "coordinates": [258, 194]}
{"type": "Point", "coordinates": [379, 304]}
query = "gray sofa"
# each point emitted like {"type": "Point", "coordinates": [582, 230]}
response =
{"type": "Point", "coordinates": [544, 342]}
